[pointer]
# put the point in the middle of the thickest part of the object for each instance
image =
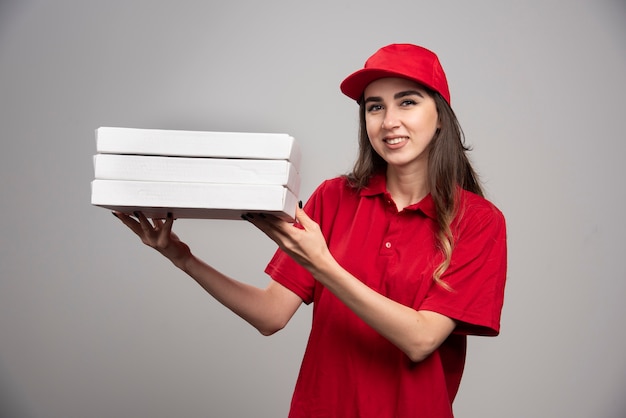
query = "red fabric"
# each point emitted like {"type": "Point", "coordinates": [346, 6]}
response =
{"type": "Point", "coordinates": [399, 60]}
{"type": "Point", "coordinates": [348, 369]}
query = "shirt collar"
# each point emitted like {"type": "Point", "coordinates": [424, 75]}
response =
{"type": "Point", "coordinates": [377, 185]}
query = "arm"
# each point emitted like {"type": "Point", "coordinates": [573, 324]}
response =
{"type": "Point", "coordinates": [268, 310]}
{"type": "Point", "coordinates": [416, 333]}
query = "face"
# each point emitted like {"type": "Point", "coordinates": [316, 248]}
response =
{"type": "Point", "coordinates": [401, 119]}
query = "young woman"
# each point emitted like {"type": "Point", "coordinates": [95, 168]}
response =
{"type": "Point", "coordinates": [402, 258]}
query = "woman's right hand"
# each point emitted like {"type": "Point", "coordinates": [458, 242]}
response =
{"type": "Point", "coordinates": [158, 235]}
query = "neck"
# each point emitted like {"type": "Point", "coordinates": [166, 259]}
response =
{"type": "Point", "coordinates": [407, 187]}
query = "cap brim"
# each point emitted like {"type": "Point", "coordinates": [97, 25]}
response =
{"type": "Point", "coordinates": [354, 85]}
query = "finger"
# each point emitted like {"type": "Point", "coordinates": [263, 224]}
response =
{"type": "Point", "coordinates": [156, 223]}
{"type": "Point", "coordinates": [303, 219]}
{"type": "Point", "coordinates": [129, 222]}
{"type": "Point", "coordinates": [165, 233]}
{"type": "Point", "coordinates": [143, 221]}
{"type": "Point", "coordinates": [271, 226]}
{"type": "Point", "coordinates": [169, 222]}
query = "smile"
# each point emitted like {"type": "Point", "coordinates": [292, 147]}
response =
{"type": "Point", "coordinates": [394, 141]}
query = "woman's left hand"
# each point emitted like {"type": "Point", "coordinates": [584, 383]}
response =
{"type": "Point", "coordinates": [416, 333]}
{"type": "Point", "coordinates": [302, 241]}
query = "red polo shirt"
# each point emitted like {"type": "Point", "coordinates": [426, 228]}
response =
{"type": "Point", "coordinates": [348, 369]}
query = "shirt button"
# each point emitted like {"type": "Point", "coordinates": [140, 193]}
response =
{"type": "Point", "coordinates": [387, 244]}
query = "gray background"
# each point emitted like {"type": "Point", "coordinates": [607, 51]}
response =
{"type": "Point", "coordinates": [93, 324]}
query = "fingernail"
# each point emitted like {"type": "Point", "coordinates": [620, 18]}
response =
{"type": "Point", "coordinates": [300, 204]}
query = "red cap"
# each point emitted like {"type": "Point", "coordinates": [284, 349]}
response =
{"type": "Point", "coordinates": [399, 60]}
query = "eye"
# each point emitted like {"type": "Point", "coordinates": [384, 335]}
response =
{"type": "Point", "coordinates": [374, 108]}
{"type": "Point", "coordinates": [408, 102]}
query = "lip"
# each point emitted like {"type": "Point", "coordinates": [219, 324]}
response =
{"type": "Point", "coordinates": [395, 140]}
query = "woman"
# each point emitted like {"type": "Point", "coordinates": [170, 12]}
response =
{"type": "Point", "coordinates": [402, 258]}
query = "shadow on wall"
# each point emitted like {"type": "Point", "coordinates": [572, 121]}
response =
{"type": "Point", "coordinates": [12, 404]}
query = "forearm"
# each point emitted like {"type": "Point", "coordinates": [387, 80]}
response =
{"type": "Point", "coordinates": [268, 310]}
{"type": "Point", "coordinates": [416, 333]}
{"type": "Point", "coordinates": [259, 307]}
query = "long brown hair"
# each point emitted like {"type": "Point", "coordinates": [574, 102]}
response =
{"type": "Point", "coordinates": [448, 169]}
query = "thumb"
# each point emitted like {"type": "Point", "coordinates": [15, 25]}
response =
{"type": "Point", "coordinates": [302, 218]}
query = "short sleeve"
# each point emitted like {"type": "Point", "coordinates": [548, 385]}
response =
{"type": "Point", "coordinates": [477, 272]}
{"type": "Point", "coordinates": [284, 270]}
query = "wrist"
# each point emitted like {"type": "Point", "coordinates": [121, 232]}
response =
{"type": "Point", "coordinates": [324, 267]}
{"type": "Point", "coordinates": [183, 261]}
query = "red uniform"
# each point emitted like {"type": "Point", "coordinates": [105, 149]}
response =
{"type": "Point", "coordinates": [349, 370]}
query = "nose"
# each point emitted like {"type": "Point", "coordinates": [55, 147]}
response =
{"type": "Point", "coordinates": [390, 120]}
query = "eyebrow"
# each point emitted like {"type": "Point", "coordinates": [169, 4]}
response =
{"type": "Point", "coordinates": [395, 96]}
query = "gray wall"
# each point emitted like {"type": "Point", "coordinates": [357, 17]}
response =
{"type": "Point", "coordinates": [93, 324]}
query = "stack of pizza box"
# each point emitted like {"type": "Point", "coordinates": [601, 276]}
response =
{"type": "Point", "coordinates": [196, 174]}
